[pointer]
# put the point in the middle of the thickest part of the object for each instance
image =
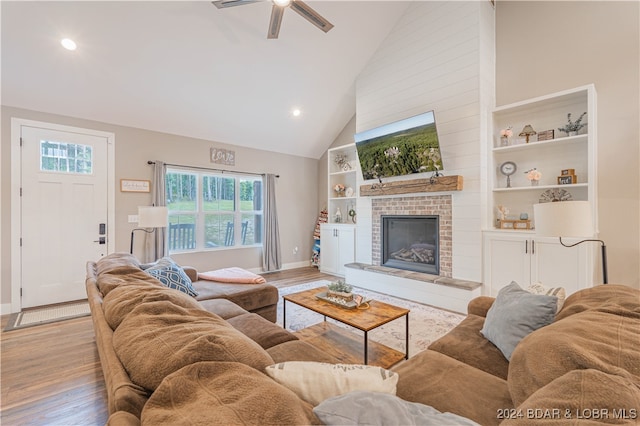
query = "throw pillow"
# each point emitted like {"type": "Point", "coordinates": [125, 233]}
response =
{"type": "Point", "coordinates": [374, 408]}
{"type": "Point", "coordinates": [316, 381]}
{"type": "Point", "coordinates": [516, 313]}
{"type": "Point", "coordinates": [559, 292]}
{"type": "Point", "coordinates": [172, 276]}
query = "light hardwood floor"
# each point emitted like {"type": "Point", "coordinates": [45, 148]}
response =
{"type": "Point", "coordinates": [51, 375]}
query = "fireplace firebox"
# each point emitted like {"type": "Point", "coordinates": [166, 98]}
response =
{"type": "Point", "coordinates": [411, 243]}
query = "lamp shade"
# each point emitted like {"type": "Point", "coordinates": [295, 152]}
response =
{"type": "Point", "coordinates": [153, 217]}
{"type": "Point", "coordinates": [563, 219]}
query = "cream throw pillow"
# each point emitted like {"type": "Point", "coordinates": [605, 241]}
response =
{"type": "Point", "coordinates": [559, 292]}
{"type": "Point", "coordinates": [316, 381]}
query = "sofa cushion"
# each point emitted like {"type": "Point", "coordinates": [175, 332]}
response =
{"type": "Point", "coordinates": [122, 300]}
{"type": "Point", "coordinates": [603, 298]}
{"type": "Point", "coordinates": [316, 381]}
{"type": "Point", "coordinates": [159, 337]}
{"type": "Point", "coordinates": [263, 332]}
{"type": "Point", "coordinates": [466, 344]}
{"type": "Point", "coordinates": [224, 393]}
{"type": "Point", "coordinates": [516, 313]}
{"type": "Point", "coordinates": [224, 308]}
{"type": "Point", "coordinates": [171, 275]}
{"type": "Point", "coordinates": [247, 296]}
{"type": "Point", "coordinates": [606, 341]}
{"type": "Point", "coordinates": [588, 394]}
{"type": "Point", "coordinates": [117, 264]}
{"type": "Point", "coordinates": [449, 385]}
{"type": "Point", "coordinates": [375, 408]}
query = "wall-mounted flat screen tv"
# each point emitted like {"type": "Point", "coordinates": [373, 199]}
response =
{"type": "Point", "coordinates": [400, 148]}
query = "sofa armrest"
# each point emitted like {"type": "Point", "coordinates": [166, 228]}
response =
{"type": "Point", "coordinates": [480, 305]}
{"type": "Point", "coordinates": [191, 272]}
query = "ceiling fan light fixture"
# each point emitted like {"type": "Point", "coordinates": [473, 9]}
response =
{"type": "Point", "coordinates": [282, 3]}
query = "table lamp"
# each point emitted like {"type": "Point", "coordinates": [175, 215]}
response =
{"type": "Point", "coordinates": [527, 131]}
{"type": "Point", "coordinates": [568, 219]}
{"type": "Point", "coordinates": [150, 217]}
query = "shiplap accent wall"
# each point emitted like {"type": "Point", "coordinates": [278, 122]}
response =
{"type": "Point", "coordinates": [439, 57]}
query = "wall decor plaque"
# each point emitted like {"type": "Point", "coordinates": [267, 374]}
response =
{"type": "Point", "coordinates": [135, 185]}
{"type": "Point", "coordinates": [223, 156]}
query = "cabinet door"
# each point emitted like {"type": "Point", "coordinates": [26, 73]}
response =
{"type": "Point", "coordinates": [346, 248]}
{"type": "Point", "coordinates": [507, 259]}
{"type": "Point", "coordinates": [554, 265]}
{"type": "Point", "coordinates": [328, 249]}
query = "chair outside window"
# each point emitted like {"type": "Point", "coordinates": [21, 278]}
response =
{"type": "Point", "coordinates": [182, 236]}
{"type": "Point", "coordinates": [229, 238]}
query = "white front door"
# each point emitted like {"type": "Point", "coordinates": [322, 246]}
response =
{"type": "Point", "coordinates": [64, 205]}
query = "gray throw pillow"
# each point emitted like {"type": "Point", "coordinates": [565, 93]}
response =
{"type": "Point", "coordinates": [516, 313]}
{"type": "Point", "coordinates": [376, 408]}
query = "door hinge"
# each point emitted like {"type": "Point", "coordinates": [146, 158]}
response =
{"type": "Point", "coordinates": [21, 192]}
{"type": "Point", "coordinates": [21, 141]}
{"type": "Point", "coordinates": [20, 291]}
{"type": "Point", "coordinates": [20, 241]}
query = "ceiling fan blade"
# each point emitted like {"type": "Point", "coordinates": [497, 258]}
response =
{"type": "Point", "coordinates": [276, 20]}
{"type": "Point", "coordinates": [310, 15]}
{"type": "Point", "coordinates": [221, 4]}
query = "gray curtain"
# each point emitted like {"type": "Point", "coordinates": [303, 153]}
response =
{"type": "Point", "coordinates": [271, 259]}
{"type": "Point", "coordinates": [156, 242]}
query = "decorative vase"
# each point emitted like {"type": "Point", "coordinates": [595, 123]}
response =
{"type": "Point", "coordinates": [534, 182]}
{"type": "Point", "coordinates": [504, 141]}
{"type": "Point", "coordinates": [573, 133]}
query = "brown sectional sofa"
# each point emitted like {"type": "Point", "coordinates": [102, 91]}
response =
{"type": "Point", "coordinates": [170, 359]}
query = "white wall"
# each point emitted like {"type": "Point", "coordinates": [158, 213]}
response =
{"type": "Point", "coordinates": [438, 57]}
{"type": "Point", "coordinates": [545, 47]}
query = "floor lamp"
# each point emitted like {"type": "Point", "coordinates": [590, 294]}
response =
{"type": "Point", "coordinates": [149, 219]}
{"type": "Point", "coordinates": [568, 219]}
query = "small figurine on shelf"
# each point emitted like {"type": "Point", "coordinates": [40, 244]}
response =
{"type": "Point", "coordinates": [503, 212]}
{"type": "Point", "coordinates": [338, 216]}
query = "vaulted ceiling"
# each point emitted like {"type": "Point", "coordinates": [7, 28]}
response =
{"type": "Point", "coordinates": [190, 69]}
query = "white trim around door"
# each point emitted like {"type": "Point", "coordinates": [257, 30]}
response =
{"type": "Point", "coordinates": [16, 213]}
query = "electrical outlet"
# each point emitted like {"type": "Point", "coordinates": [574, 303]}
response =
{"type": "Point", "coordinates": [133, 218]}
{"type": "Point", "coordinates": [295, 250]}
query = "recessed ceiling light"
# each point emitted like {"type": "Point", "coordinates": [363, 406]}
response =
{"type": "Point", "coordinates": [68, 44]}
{"type": "Point", "coordinates": [296, 112]}
{"type": "Point", "coordinates": [282, 3]}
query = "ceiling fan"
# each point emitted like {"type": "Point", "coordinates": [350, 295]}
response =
{"type": "Point", "coordinates": [277, 11]}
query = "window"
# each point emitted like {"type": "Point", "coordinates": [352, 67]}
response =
{"type": "Point", "coordinates": [208, 210]}
{"type": "Point", "coordinates": [66, 157]}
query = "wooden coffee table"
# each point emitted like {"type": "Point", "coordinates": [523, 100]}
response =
{"type": "Point", "coordinates": [341, 343]}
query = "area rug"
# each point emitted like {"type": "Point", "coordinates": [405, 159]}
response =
{"type": "Point", "coordinates": [426, 323]}
{"type": "Point", "coordinates": [47, 315]}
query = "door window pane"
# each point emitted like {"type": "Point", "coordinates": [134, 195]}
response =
{"type": "Point", "coordinates": [66, 157]}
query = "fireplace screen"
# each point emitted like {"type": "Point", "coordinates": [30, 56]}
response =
{"type": "Point", "coordinates": [411, 243]}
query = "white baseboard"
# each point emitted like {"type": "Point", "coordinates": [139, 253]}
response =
{"type": "Point", "coordinates": [5, 309]}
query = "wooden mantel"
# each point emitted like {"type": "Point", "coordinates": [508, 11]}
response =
{"type": "Point", "coordinates": [435, 184]}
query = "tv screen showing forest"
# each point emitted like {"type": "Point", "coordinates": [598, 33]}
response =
{"type": "Point", "coordinates": [401, 148]}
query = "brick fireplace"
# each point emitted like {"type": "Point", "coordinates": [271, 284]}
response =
{"type": "Point", "coordinates": [439, 205]}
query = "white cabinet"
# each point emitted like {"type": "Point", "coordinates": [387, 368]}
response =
{"type": "Point", "coordinates": [525, 259]}
{"type": "Point", "coordinates": [518, 255]}
{"type": "Point", "coordinates": [337, 247]}
{"type": "Point", "coordinates": [342, 166]}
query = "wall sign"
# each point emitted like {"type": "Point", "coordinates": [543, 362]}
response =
{"type": "Point", "coordinates": [135, 185]}
{"type": "Point", "coordinates": [223, 156]}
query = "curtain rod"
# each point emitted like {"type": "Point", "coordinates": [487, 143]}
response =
{"type": "Point", "coordinates": [210, 168]}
